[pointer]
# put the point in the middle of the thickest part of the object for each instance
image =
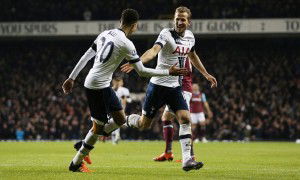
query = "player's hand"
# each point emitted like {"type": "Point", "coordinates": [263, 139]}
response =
{"type": "Point", "coordinates": [175, 71]}
{"type": "Point", "coordinates": [68, 86]}
{"type": "Point", "coordinates": [212, 80]}
{"type": "Point", "coordinates": [126, 68]}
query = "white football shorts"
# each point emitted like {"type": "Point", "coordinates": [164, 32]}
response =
{"type": "Point", "coordinates": [197, 117]}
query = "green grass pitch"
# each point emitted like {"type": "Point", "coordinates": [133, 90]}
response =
{"type": "Point", "coordinates": [133, 160]}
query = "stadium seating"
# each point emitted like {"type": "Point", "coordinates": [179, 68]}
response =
{"type": "Point", "coordinates": [257, 98]}
{"type": "Point", "coordinates": [38, 10]}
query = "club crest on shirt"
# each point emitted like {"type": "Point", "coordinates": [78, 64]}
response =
{"type": "Point", "coordinates": [178, 41]}
{"type": "Point", "coordinates": [133, 52]}
{"type": "Point", "coordinates": [162, 37]}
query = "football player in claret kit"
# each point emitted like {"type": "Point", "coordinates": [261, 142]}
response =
{"type": "Point", "coordinates": [109, 49]}
{"type": "Point", "coordinates": [198, 105]}
{"type": "Point", "coordinates": [173, 45]}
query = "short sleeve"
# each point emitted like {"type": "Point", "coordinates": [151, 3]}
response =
{"type": "Point", "coordinates": [193, 41]}
{"type": "Point", "coordinates": [203, 97]}
{"type": "Point", "coordinates": [162, 38]}
{"type": "Point", "coordinates": [130, 53]}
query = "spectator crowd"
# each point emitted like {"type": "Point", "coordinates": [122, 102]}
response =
{"type": "Point", "coordinates": [258, 97]}
{"type": "Point", "coordinates": [57, 10]}
{"type": "Point", "coordinates": [258, 94]}
{"type": "Point", "coordinates": [259, 88]}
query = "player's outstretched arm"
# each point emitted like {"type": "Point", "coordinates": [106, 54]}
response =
{"type": "Point", "coordinates": [150, 53]}
{"type": "Point", "coordinates": [200, 67]}
{"type": "Point", "coordinates": [149, 72]}
{"type": "Point", "coordinates": [145, 58]}
{"type": "Point", "coordinates": [68, 84]}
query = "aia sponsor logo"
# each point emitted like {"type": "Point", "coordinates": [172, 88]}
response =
{"type": "Point", "coordinates": [181, 51]}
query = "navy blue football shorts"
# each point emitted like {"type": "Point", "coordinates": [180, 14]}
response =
{"type": "Point", "coordinates": [102, 102]}
{"type": "Point", "coordinates": [158, 96]}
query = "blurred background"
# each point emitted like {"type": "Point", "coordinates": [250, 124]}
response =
{"type": "Point", "coordinates": [252, 47]}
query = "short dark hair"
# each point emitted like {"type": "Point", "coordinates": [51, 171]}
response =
{"type": "Point", "coordinates": [118, 76]}
{"type": "Point", "coordinates": [129, 17]}
{"type": "Point", "coordinates": [183, 9]}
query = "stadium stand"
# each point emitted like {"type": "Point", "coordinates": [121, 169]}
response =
{"type": "Point", "coordinates": [257, 98]}
{"type": "Point", "coordinates": [38, 10]}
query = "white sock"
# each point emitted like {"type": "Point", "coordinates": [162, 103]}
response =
{"type": "Point", "coordinates": [133, 120]}
{"type": "Point", "coordinates": [87, 146]}
{"type": "Point", "coordinates": [78, 158]}
{"type": "Point", "coordinates": [91, 138]}
{"type": "Point", "coordinates": [110, 126]}
{"type": "Point", "coordinates": [185, 139]}
{"type": "Point", "coordinates": [115, 135]}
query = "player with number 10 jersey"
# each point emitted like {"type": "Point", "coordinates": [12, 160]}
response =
{"type": "Point", "coordinates": [109, 49]}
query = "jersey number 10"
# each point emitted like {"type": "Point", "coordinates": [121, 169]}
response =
{"type": "Point", "coordinates": [106, 50]}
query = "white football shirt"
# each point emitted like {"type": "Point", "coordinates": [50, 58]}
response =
{"type": "Point", "coordinates": [122, 91]}
{"type": "Point", "coordinates": [175, 49]}
{"type": "Point", "coordinates": [111, 47]}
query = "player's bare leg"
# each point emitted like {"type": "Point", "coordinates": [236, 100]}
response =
{"type": "Point", "coordinates": [137, 121]}
{"type": "Point", "coordinates": [202, 132]}
{"type": "Point", "coordinates": [118, 119]}
{"type": "Point", "coordinates": [195, 132]}
{"type": "Point", "coordinates": [183, 116]}
{"type": "Point", "coordinates": [168, 133]}
{"type": "Point", "coordinates": [185, 138]}
{"type": "Point", "coordinates": [77, 164]}
{"type": "Point", "coordinates": [77, 146]}
{"type": "Point", "coordinates": [115, 136]}
{"type": "Point", "coordinates": [96, 131]}
{"type": "Point", "coordinates": [92, 137]}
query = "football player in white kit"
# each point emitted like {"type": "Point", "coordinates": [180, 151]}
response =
{"type": "Point", "coordinates": [124, 96]}
{"type": "Point", "coordinates": [173, 45]}
{"type": "Point", "coordinates": [109, 49]}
